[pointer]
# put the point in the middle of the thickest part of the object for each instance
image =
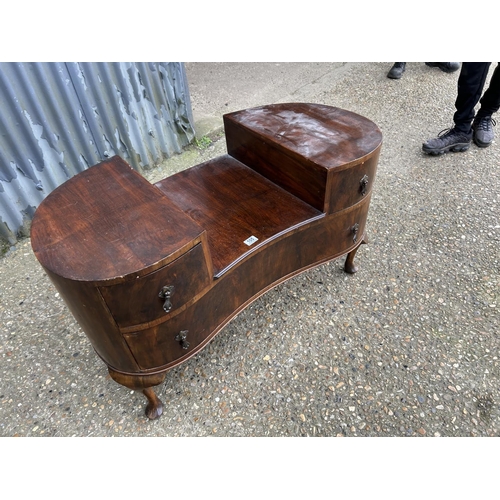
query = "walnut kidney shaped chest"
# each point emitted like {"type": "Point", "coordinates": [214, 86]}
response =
{"type": "Point", "coordinates": [152, 272]}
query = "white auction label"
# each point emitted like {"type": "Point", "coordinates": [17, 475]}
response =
{"type": "Point", "coordinates": [251, 240]}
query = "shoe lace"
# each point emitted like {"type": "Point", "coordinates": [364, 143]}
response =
{"type": "Point", "coordinates": [445, 132]}
{"type": "Point", "coordinates": [485, 123]}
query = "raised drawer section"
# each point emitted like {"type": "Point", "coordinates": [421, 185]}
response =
{"type": "Point", "coordinates": [349, 186]}
{"type": "Point", "coordinates": [299, 146]}
{"type": "Point", "coordinates": [157, 294]}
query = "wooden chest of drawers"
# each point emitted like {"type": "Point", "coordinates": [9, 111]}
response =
{"type": "Point", "coordinates": [153, 272]}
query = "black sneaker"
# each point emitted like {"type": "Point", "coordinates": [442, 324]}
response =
{"type": "Point", "coordinates": [397, 70]}
{"type": "Point", "coordinates": [448, 67]}
{"type": "Point", "coordinates": [446, 141]}
{"type": "Point", "coordinates": [483, 131]}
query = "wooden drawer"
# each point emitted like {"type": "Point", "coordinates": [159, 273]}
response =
{"type": "Point", "coordinates": [343, 231]}
{"type": "Point", "coordinates": [138, 301]}
{"type": "Point", "coordinates": [169, 341]}
{"type": "Point", "coordinates": [349, 186]}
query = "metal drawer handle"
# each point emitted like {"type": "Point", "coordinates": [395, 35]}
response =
{"type": "Point", "coordinates": [363, 184]}
{"type": "Point", "coordinates": [355, 230]}
{"type": "Point", "coordinates": [166, 293]}
{"type": "Point", "coordinates": [182, 338]}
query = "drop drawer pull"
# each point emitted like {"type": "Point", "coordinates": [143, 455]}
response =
{"type": "Point", "coordinates": [166, 293]}
{"type": "Point", "coordinates": [182, 338]}
{"type": "Point", "coordinates": [355, 230]}
{"type": "Point", "coordinates": [363, 184]}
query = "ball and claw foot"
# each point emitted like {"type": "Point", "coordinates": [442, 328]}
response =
{"type": "Point", "coordinates": [154, 408]}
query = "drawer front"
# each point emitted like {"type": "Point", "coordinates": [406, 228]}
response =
{"type": "Point", "coordinates": [169, 341]}
{"type": "Point", "coordinates": [349, 186]}
{"type": "Point", "coordinates": [346, 228]}
{"type": "Point", "coordinates": [157, 294]}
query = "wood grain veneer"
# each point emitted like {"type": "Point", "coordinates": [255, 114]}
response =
{"type": "Point", "coordinates": [153, 272]}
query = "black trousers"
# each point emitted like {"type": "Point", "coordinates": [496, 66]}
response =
{"type": "Point", "coordinates": [470, 88]}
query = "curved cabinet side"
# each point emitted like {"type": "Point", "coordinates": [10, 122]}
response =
{"type": "Point", "coordinates": [90, 311]}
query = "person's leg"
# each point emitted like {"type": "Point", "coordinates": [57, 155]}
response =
{"type": "Point", "coordinates": [490, 102]}
{"type": "Point", "coordinates": [469, 89]}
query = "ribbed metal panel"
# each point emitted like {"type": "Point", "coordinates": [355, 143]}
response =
{"type": "Point", "coordinates": [57, 119]}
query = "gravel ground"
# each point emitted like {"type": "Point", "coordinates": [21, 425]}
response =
{"type": "Point", "coordinates": [408, 346]}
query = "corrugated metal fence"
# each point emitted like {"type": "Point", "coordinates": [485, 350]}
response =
{"type": "Point", "coordinates": [57, 119]}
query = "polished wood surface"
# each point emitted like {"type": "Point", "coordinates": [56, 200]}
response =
{"type": "Point", "coordinates": [106, 223]}
{"type": "Point", "coordinates": [138, 301]}
{"type": "Point", "coordinates": [233, 203]}
{"type": "Point", "coordinates": [153, 272]}
{"type": "Point", "coordinates": [320, 135]}
{"type": "Point", "coordinates": [301, 147]}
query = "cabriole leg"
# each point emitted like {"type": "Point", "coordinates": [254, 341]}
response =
{"type": "Point", "coordinates": [154, 409]}
{"type": "Point", "coordinates": [144, 383]}
{"type": "Point", "coordinates": [349, 266]}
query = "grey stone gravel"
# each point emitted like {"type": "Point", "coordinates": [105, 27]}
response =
{"type": "Point", "coordinates": [408, 346]}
